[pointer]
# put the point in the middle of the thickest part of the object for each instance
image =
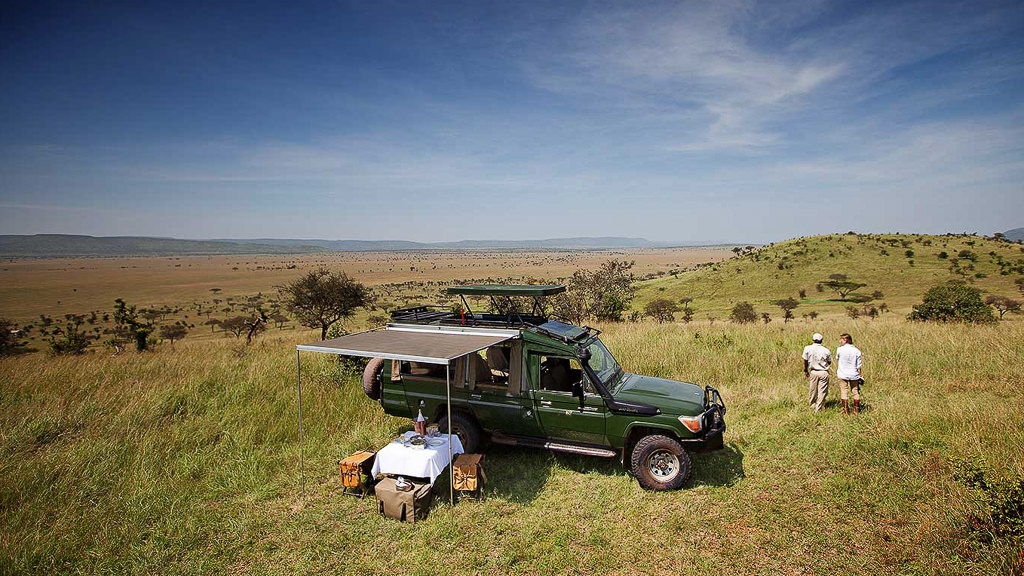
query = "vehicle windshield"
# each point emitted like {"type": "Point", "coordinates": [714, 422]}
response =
{"type": "Point", "coordinates": [604, 364]}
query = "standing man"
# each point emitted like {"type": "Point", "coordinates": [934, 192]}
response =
{"type": "Point", "coordinates": [848, 359]}
{"type": "Point", "coordinates": [817, 360]}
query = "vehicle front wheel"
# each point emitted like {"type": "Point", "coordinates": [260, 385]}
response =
{"type": "Point", "coordinates": [466, 428]}
{"type": "Point", "coordinates": [660, 463]}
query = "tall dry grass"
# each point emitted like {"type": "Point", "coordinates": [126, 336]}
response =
{"type": "Point", "coordinates": [186, 460]}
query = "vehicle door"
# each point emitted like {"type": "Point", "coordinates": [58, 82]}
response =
{"type": "Point", "coordinates": [497, 395]}
{"type": "Point", "coordinates": [558, 410]}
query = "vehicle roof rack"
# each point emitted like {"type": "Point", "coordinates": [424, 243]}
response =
{"type": "Point", "coordinates": [567, 333]}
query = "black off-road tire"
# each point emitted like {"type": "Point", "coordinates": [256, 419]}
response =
{"type": "Point", "coordinates": [466, 429]}
{"type": "Point", "coordinates": [373, 378]}
{"type": "Point", "coordinates": [660, 463]}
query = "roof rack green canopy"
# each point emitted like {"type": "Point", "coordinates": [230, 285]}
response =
{"type": "Point", "coordinates": [507, 290]}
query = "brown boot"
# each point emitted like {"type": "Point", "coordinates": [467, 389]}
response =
{"type": "Point", "coordinates": [846, 407]}
{"type": "Point", "coordinates": [856, 406]}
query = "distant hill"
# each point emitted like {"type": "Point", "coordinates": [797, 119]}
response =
{"type": "Point", "coordinates": [581, 243]}
{"type": "Point", "coordinates": [1015, 235]}
{"type": "Point", "coordinates": [782, 269]}
{"type": "Point", "coordinates": [41, 245]}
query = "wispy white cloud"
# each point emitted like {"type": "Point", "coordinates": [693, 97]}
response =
{"type": "Point", "coordinates": [735, 76]}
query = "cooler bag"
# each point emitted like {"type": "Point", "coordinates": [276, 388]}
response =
{"type": "Point", "coordinates": [405, 506]}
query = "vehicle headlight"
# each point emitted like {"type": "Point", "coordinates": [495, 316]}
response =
{"type": "Point", "coordinates": [692, 423]}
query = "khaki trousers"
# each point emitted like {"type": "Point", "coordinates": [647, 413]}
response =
{"type": "Point", "coordinates": [848, 388]}
{"type": "Point", "coordinates": [817, 384]}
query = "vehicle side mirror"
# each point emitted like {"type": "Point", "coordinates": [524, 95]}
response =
{"type": "Point", "coordinates": [577, 391]}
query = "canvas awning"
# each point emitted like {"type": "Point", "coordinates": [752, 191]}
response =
{"type": "Point", "coordinates": [428, 344]}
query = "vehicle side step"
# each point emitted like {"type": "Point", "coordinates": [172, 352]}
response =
{"type": "Point", "coordinates": [583, 449]}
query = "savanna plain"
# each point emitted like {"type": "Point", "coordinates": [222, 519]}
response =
{"type": "Point", "coordinates": [185, 459]}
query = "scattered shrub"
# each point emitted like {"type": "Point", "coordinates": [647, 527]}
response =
{"type": "Point", "coordinates": [1004, 499]}
{"type": "Point", "coordinates": [69, 339]}
{"type": "Point", "coordinates": [10, 338]}
{"type": "Point", "coordinates": [743, 313]}
{"type": "Point", "coordinates": [661, 309]}
{"type": "Point", "coordinates": [953, 301]}
{"type": "Point", "coordinates": [603, 294]}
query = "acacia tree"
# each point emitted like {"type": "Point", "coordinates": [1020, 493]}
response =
{"type": "Point", "coordinates": [280, 319]}
{"type": "Point", "coordinates": [787, 305]}
{"type": "Point", "coordinates": [687, 310]}
{"type": "Point", "coordinates": [235, 325]}
{"type": "Point", "coordinates": [320, 298]}
{"type": "Point", "coordinates": [842, 285]}
{"type": "Point", "coordinates": [173, 332]}
{"type": "Point", "coordinates": [128, 325]}
{"type": "Point", "coordinates": [1002, 304]}
{"type": "Point", "coordinates": [256, 324]}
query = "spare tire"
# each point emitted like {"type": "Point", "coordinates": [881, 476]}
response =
{"type": "Point", "coordinates": [373, 378]}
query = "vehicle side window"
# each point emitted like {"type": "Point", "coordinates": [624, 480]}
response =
{"type": "Point", "coordinates": [558, 374]}
{"type": "Point", "coordinates": [490, 368]}
{"type": "Point", "coordinates": [424, 370]}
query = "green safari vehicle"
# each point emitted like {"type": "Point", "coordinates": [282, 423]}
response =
{"type": "Point", "coordinates": [546, 384]}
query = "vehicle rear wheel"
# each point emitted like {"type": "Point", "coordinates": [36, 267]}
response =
{"type": "Point", "coordinates": [660, 463]}
{"type": "Point", "coordinates": [466, 428]}
{"type": "Point", "coordinates": [373, 378]}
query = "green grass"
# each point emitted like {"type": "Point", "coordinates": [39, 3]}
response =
{"type": "Point", "coordinates": [780, 270]}
{"type": "Point", "coordinates": [186, 460]}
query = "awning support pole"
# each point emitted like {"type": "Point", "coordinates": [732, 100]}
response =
{"type": "Point", "coordinates": [451, 464]}
{"type": "Point", "coordinates": [302, 433]}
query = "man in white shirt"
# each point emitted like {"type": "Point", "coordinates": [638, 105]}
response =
{"type": "Point", "coordinates": [848, 361]}
{"type": "Point", "coordinates": [817, 360]}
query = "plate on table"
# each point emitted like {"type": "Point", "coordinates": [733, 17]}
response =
{"type": "Point", "coordinates": [435, 442]}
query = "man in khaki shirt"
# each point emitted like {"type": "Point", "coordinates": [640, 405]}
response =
{"type": "Point", "coordinates": [817, 360]}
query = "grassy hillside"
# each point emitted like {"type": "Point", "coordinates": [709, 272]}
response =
{"type": "Point", "coordinates": [881, 261]}
{"type": "Point", "coordinates": [186, 461]}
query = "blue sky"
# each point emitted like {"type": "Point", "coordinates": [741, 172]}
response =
{"type": "Point", "coordinates": [715, 121]}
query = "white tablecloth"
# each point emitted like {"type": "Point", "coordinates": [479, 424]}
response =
{"type": "Point", "coordinates": [426, 462]}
